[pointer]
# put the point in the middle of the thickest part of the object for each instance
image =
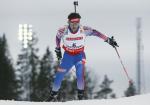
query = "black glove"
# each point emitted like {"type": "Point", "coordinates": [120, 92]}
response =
{"type": "Point", "coordinates": [112, 42]}
{"type": "Point", "coordinates": [58, 53]}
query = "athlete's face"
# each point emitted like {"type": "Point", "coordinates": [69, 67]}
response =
{"type": "Point", "coordinates": [74, 26]}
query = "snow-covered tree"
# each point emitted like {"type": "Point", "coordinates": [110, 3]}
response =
{"type": "Point", "coordinates": [90, 82]}
{"type": "Point", "coordinates": [28, 69]}
{"type": "Point", "coordinates": [105, 89]}
{"type": "Point", "coordinates": [131, 90]}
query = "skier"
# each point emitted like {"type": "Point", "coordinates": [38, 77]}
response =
{"type": "Point", "coordinates": [73, 36]}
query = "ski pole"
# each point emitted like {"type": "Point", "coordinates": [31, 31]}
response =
{"type": "Point", "coordinates": [130, 81]}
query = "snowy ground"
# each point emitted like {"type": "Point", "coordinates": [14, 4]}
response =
{"type": "Point", "coordinates": [135, 100]}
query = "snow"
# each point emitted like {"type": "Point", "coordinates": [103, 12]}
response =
{"type": "Point", "coordinates": [134, 100]}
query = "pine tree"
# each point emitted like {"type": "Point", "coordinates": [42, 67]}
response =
{"type": "Point", "coordinates": [28, 68]}
{"type": "Point", "coordinates": [105, 89]}
{"type": "Point", "coordinates": [23, 74]}
{"type": "Point", "coordinates": [34, 67]}
{"type": "Point", "coordinates": [131, 90]}
{"type": "Point", "coordinates": [45, 77]}
{"type": "Point", "coordinates": [8, 87]}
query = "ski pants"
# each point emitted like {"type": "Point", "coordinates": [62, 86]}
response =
{"type": "Point", "coordinates": [66, 64]}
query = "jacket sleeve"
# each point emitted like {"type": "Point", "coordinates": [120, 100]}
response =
{"type": "Point", "coordinates": [92, 32]}
{"type": "Point", "coordinates": [59, 35]}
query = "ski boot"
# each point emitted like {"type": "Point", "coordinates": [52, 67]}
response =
{"type": "Point", "coordinates": [80, 94]}
{"type": "Point", "coordinates": [53, 96]}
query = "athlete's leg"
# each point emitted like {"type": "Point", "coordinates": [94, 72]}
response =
{"type": "Point", "coordinates": [80, 69]}
{"type": "Point", "coordinates": [64, 67]}
{"type": "Point", "coordinates": [80, 75]}
{"type": "Point", "coordinates": [66, 64]}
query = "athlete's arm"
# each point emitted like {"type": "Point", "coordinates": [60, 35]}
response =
{"type": "Point", "coordinates": [59, 35]}
{"type": "Point", "coordinates": [92, 32]}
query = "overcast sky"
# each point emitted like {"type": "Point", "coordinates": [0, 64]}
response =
{"type": "Point", "coordinates": [114, 18]}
